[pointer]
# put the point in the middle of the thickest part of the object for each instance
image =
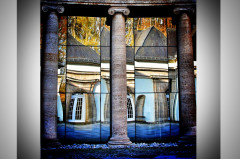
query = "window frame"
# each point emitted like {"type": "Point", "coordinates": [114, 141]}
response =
{"type": "Point", "coordinates": [83, 115]}
{"type": "Point", "coordinates": [133, 108]}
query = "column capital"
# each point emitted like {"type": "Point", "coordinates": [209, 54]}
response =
{"type": "Point", "coordinates": [179, 10]}
{"type": "Point", "coordinates": [123, 10]}
{"type": "Point", "coordinates": [58, 8]}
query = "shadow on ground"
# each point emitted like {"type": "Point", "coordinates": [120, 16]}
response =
{"type": "Point", "coordinates": [174, 152]}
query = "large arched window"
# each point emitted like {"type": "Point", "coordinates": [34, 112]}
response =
{"type": "Point", "coordinates": [130, 109]}
{"type": "Point", "coordinates": [77, 108]}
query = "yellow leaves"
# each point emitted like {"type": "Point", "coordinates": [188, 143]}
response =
{"type": "Point", "coordinates": [87, 29]}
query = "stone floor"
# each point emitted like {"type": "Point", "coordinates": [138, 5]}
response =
{"type": "Point", "coordinates": [140, 150]}
{"type": "Point", "coordinates": [99, 133]}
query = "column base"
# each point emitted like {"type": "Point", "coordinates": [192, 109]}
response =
{"type": "Point", "coordinates": [189, 137]}
{"type": "Point", "coordinates": [121, 141]}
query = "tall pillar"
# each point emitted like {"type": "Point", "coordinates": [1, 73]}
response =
{"type": "Point", "coordinates": [186, 71]}
{"type": "Point", "coordinates": [49, 71]}
{"type": "Point", "coordinates": [118, 78]}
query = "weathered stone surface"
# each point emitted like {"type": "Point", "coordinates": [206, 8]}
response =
{"type": "Point", "coordinates": [119, 79]}
{"type": "Point", "coordinates": [49, 78]}
{"type": "Point", "coordinates": [126, 2]}
{"type": "Point", "coordinates": [186, 74]}
{"type": "Point", "coordinates": [58, 8]}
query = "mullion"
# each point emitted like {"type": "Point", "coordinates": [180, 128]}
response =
{"type": "Point", "coordinates": [66, 113]}
{"type": "Point", "coordinates": [134, 46]}
{"type": "Point", "coordinates": [168, 103]}
{"type": "Point", "coordinates": [100, 82]}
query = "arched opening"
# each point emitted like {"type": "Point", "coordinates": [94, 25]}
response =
{"type": "Point", "coordinates": [139, 106]}
{"type": "Point", "coordinates": [96, 94]}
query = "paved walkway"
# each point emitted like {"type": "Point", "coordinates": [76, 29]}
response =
{"type": "Point", "coordinates": [160, 151]}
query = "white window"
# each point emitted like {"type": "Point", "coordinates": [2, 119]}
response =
{"type": "Point", "coordinates": [130, 109]}
{"type": "Point", "coordinates": [71, 109]}
{"type": "Point", "coordinates": [77, 108]}
{"type": "Point", "coordinates": [78, 114]}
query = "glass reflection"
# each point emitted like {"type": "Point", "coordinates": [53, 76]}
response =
{"type": "Point", "coordinates": [131, 112]}
{"type": "Point", "coordinates": [159, 23]}
{"type": "Point", "coordinates": [84, 82]}
{"type": "Point", "coordinates": [85, 30]}
{"type": "Point", "coordinates": [105, 82]}
{"type": "Point", "coordinates": [61, 94]}
{"type": "Point", "coordinates": [61, 89]}
{"type": "Point", "coordinates": [83, 99]}
{"type": "Point", "coordinates": [152, 82]}
{"type": "Point", "coordinates": [62, 36]}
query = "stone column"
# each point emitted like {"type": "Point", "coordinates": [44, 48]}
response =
{"type": "Point", "coordinates": [186, 71]}
{"type": "Point", "coordinates": [118, 77]}
{"type": "Point", "coordinates": [49, 69]}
